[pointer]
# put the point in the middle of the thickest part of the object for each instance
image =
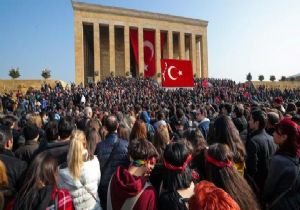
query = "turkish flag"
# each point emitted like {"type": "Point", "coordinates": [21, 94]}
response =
{"type": "Point", "coordinates": [149, 53]}
{"type": "Point", "coordinates": [177, 73]}
{"type": "Point", "coordinates": [205, 83]}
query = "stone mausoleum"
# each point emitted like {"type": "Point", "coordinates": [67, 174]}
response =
{"type": "Point", "coordinates": [103, 44]}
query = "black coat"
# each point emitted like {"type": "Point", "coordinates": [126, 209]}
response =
{"type": "Point", "coordinates": [260, 148]}
{"type": "Point", "coordinates": [15, 168]}
{"type": "Point", "coordinates": [283, 170]}
{"type": "Point", "coordinates": [26, 151]}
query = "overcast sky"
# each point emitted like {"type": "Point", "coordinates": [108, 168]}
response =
{"type": "Point", "coordinates": [261, 37]}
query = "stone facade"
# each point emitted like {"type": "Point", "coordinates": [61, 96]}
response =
{"type": "Point", "coordinates": [102, 40]}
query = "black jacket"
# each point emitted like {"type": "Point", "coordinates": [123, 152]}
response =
{"type": "Point", "coordinates": [15, 168]}
{"type": "Point", "coordinates": [59, 149]}
{"type": "Point", "coordinates": [26, 151]}
{"type": "Point", "coordinates": [260, 148]}
{"type": "Point", "coordinates": [283, 170]}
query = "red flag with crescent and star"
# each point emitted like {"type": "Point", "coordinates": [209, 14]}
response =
{"type": "Point", "coordinates": [176, 73]}
{"type": "Point", "coordinates": [149, 53]}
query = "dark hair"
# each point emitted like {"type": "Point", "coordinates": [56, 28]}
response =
{"type": "Point", "coordinates": [30, 131]}
{"type": "Point", "coordinates": [5, 135]}
{"type": "Point", "coordinates": [239, 110]}
{"type": "Point", "coordinates": [259, 116]}
{"type": "Point", "coordinates": [273, 118]}
{"type": "Point", "coordinates": [65, 127]}
{"type": "Point", "coordinates": [141, 149]}
{"type": "Point", "coordinates": [228, 178]}
{"type": "Point", "coordinates": [111, 124]}
{"type": "Point", "coordinates": [292, 144]}
{"type": "Point", "coordinates": [43, 171]}
{"type": "Point", "coordinates": [195, 137]}
{"type": "Point", "coordinates": [51, 131]}
{"type": "Point", "coordinates": [227, 106]}
{"type": "Point", "coordinates": [9, 120]}
{"type": "Point", "coordinates": [176, 154]}
{"type": "Point", "coordinates": [225, 132]}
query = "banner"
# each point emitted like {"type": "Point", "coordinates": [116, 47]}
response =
{"type": "Point", "coordinates": [177, 73]}
{"type": "Point", "coordinates": [149, 53]}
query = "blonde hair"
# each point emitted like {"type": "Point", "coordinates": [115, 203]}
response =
{"type": "Point", "coordinates": [35, 119]}
{"type": "Point", "coordinates": [3, 175]}
{"type": "Point", "coordinates": [75, 155]}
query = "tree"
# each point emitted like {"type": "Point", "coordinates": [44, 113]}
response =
{"type": "Point", "coordinates": [261, 77]}
{"type": "Point", "coordinates": [14, 73]}
{"type": "Point", "coordinates": [272, 78]}
{"type": "Point", "coordinates": [46, 73]}
{"type": "Point", "coordinates": [249, 77]}
{"type": "Point", "coordinates": [283, 78]}
{"type": "Point", "coordinates": [292, 79]}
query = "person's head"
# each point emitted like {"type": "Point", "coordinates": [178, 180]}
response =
{"type": "Point", "coordinates": [219, 169]}
{"type": "Point", "coordinates": [287, 137]}
{"type": "Point", "coordinates": [35, 119]}
{"type": "Point", "coordinates": [272, 119]}
{"type": "Point", "coordinates": [9, 121]}
{"type": "Point", "coordinates": [177, 174]}
{"type": "Point", "coordinates": [258, 120]}
{"type": "Point", "coordinates": [94, 123]}
{"type": "Point", "coordinates": [42, 171]}
{"type": "Point", "coordinates": [88, 112]}
{"type": "Point", "coordinates": [161, 138]}
{"type": "Point", "coordinates": [238, 111]}
{"type": "Point", "coordinates": [77, 153]}
{"type": "Point", "coordinates": [209, 197]}
{"type": "Point", "coordinates": [225, 109]}
{"type": "Point", "coordinates": [225, 132]}
{"type": "Point", "coordinates": [291, 109]}
{"type": "Point", "coordinates": [195, 137]}
{"type": "Point", "coordinates": [111, 124]}
{"type": "Point", "coordinates": [124, 131]}
{"type": "Point", "coordinates": [31, 132]}
{"type": "Point", "coordinates": [92, 139]}
{"type": "Point", "coordinates": [51, 131]}
{"type": "Point", "coordinates": [65, 127]}
{"type": "Point", "coordinates": [201, 114]}
{"type": "Point", "coordinates": [6, 138]}
{"type": "Point", "coordinates": [139, 130]}
{"type": "Point", "coordinates": [142, 153]}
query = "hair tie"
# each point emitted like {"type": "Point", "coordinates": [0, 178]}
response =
{"type": "Point", "coordinates": [138, 163]}
{"type": "Point", "coordinates": [219, 164]}
{"type": "Point", "coordinates": [178, 168]}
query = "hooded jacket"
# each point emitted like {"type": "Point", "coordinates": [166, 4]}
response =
{"type": "Point", "coordinates": [82, 190]}
{"type": "Point", "coordinates": [124, 186]}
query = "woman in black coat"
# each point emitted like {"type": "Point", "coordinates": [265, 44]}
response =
{"type": "Point", "coordinates": [282, 187]}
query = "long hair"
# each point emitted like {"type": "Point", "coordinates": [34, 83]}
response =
{"type": "Point", "coordinates": [139, 130]}
{"type": "Point", "coordinates": [43, 171]}
{"type": "Point", "coordinates": [225, 132]}
{"type": "Point", "coordinates": [75, 155]}
{"type": "Point", "coordinates": [208, 196]}
{"type": "Point", "coordinates": [92, 138]}
{"type": "Point", "coordinates": [161, 138]}
{"type": "Point", "coordinates": [228, 178]}
{"type": "Point", "coordinates": [3, 175]}
{"type": "Point", "coordinates": [292, 144]}
{"type": "Point", "coordinates": [177, 154]}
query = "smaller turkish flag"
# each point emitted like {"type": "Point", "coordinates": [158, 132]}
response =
{"type": "Point", "coordinates": [205, 83]}
{"type": "Point", "coordinates": [177, 73]}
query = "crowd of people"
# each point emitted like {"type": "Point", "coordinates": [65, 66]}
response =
{"type": "Point", "coordinates": [128, 143]}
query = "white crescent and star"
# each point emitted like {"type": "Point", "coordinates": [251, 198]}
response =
{"type": "Point", "coordinates": [148, 44]}
{"type": "Point", "coordinates": [169, 71]}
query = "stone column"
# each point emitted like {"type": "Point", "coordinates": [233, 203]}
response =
{"type": "Point", "coordinates": [96, 52]}
{"type": "Point", "coordinates": [126, 49]}
{"type": "Point", "coordinates": [170, 44]}
{"type": "Point", "coordinates": [157, 53]}
{"type": "Point", "coordinates": [193, 58]}
{"type": "Point", "coordinates": [79, 56]}
{"type": "Point", "coordinates": [198, 60]}
{"type": "Point", "coordinates": [141, 50]}
{"type": "Point", "coordinates": [181, 46]}
{"type": "Point", "coordinates": [204, 55]}
{"type": "Point", "coordinates": [112, 48]}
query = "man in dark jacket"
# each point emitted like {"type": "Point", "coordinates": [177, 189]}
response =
{"type": "Point", "coordinates": [15, 168]}
{"type": "Point", "coordinates": [111, 152]}
{"type": "Point", "coordinates": [260, 148]}
{"type": "Point", "coordinates": [31, 134]}
{"type": "Point", "coordinates": [58, 139]}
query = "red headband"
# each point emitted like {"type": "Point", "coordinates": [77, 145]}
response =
{"type": "Point", "coordinates": [219, 164]}
{"type": "Point", "coordinates": [178, 168]}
